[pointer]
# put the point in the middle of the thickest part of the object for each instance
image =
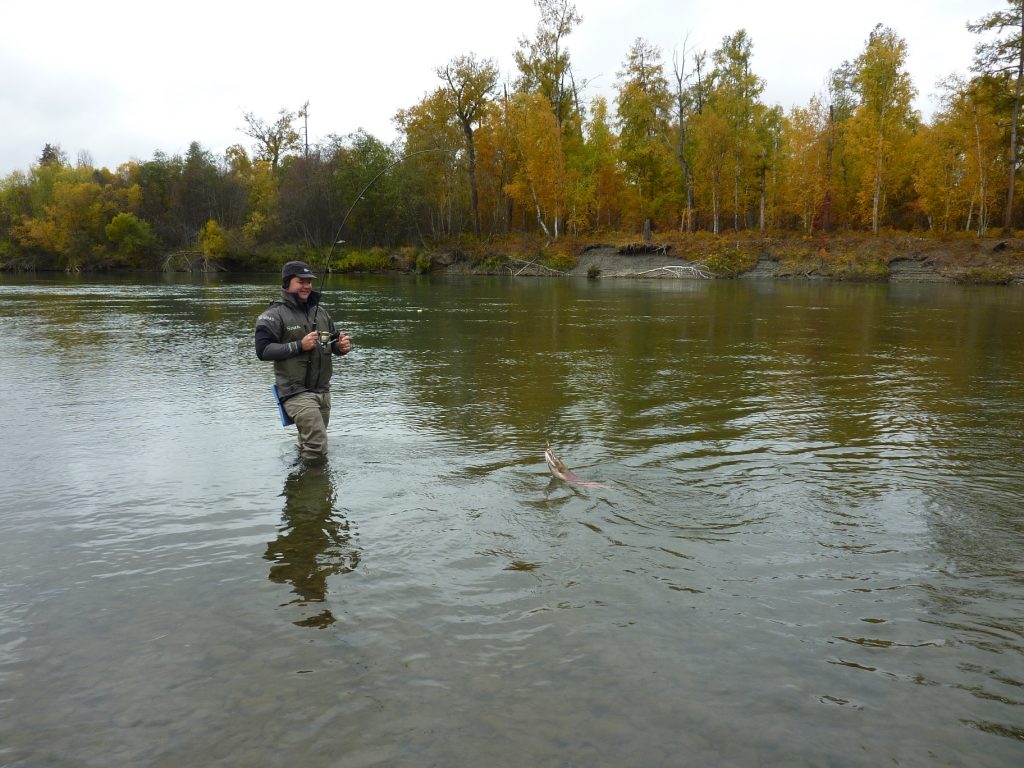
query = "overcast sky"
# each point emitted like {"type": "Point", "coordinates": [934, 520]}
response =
{"type": "Point", "coordinates": [123, 79]}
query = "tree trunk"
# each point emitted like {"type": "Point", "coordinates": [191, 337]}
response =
{"type": "Point", "coordinates": [474, 199]}
{"type": "Point", "coordinates": [736, 194]}
{"type": "Point", "coordinates": [826, 203]}
{"type": "Point", "coordinates": [1008, 217]}
{"type": "Point", "coordinates": [540, 215]}
{"type": "Point", "coordinates": [876, 198]}
{"type": "Point", "coordinates": [762, 223]}
{"type": "Point", "coordinates": [982, 182]}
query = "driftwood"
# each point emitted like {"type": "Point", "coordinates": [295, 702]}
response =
{"type": "Point", "coordinates": [518, 266]}
{"type": "Point", "coordinates": [632, 248]}
{"type": "Point", "coordinates": [191, 261]}
{"type": "Point", "coordinates": [695, 271]}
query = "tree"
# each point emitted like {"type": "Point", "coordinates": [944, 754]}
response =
{"type": "Point", "coordinates": [469, 84]}
{"type": "Point", "coordinates": [273, 140]}
{"type": "Point", "coordinates": [883, 119]}
{"type": "Point", "coordinates": [435, 189]}
{"type": "Point", "coordinates": [644, 106]}
{"type": "Point", "coordinates": [686, 100]}
{"type": "Point", "coordinates": [131, 238]}
{"type": "Point", "coordinates": [540, 181]}
{"type": "Point", "coordinates": [734, 97]}
{"type": "Point", "coordinates": [52, 154]}
{"type": "Point", "coordinates": [768, 131]}
{"type": "Point", "coordinates": [806, 170]}
{"type": "Point", "coordinates": [961, 157]}
{"type": "Point", "coordinates": [713, 141]}
{"type": "Point", "coordinates": [1004, 54]}
{"type": "Point", "coordinates": [194, 195]}
{"type": "Point", "coordinates": [603, 166]}
{"type": "Point", "coordinates": [544, 62]}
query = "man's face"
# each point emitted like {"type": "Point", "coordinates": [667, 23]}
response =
{"type": "Point", "coordinates": [302, 286]}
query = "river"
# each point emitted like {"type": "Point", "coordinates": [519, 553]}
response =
{"type": "Point", "coordinates": [810, 549]}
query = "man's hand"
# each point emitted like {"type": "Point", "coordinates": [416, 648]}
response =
{"type": "Point", "coordinates": [309, 341]}
{"type": "Point", "coordinates": [344, 344]}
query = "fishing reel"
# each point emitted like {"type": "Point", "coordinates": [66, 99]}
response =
{"type": "Point", "coordinates": [324, 339]}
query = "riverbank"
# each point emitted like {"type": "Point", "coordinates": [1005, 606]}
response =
{"type": "Point", "coordinates": [997, 261]}
{"type": "Point", "coordinates": [695, 256]}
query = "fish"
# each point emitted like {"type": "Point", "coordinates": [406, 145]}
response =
{"type": "Point", "coordinates": [562, 472]}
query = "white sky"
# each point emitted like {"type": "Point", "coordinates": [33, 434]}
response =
{"type": "Point", "coordinates": [121, 79]}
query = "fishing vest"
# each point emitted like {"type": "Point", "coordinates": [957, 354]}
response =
{"type": "Point", "coordinates": [310, 371]}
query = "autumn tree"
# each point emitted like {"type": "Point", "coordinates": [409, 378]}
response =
{"type": "Point", "coordinates": [544, 62]}
{"type": "Point", "coordinates": [602, 166]}
{"type": "Point", "coordinates": [768, 125]}
{"type": "Point", "coordinates": [734, 97]}
{"type": "Point", "coordinates": [883, 119]}
{"type": "Point", "coordinates": [436, 188]}
{"type": "Point", "coordinates": [644, 104]}
{"type": "Point", "coordinates": [713, 145]}
{"type": "Point", "coordinates": [1004, 56]}
{"type": "Point", "coordinates": [959, 175]}
{"type": "Point", "coordinates": [72, 223]}
{"type": "Point", "coordinates": [805, 165]}
{"type": "Point", "coordinates": [540, 180]}
{"type": "Point", "coordinates": [469, 83]}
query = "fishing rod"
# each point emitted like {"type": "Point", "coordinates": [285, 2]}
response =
{"type": "Point", "coordinates": [285, 419]}
{"type": "Point", "coordinates": [336, 241]}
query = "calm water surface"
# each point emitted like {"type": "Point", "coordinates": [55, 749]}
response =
{"type": "Point", "coordinates": [810, 552]}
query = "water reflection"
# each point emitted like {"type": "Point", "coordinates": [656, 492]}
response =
{"type": "Point", "coordinates": [314, 541]}
{"type": "Point", "coordinates": [817, 489]}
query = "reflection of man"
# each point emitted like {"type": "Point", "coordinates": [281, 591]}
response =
{"type": "Point", "coordinates": [313, 542]}
{"type": "Point", "coordinates": [299, 336]}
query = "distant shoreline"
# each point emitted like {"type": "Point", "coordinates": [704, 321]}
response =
{"type": "Point", "coordinates": [852, 258]}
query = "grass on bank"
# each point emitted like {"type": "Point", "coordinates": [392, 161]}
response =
{"type": "Point", "coordinates": [963, 257]}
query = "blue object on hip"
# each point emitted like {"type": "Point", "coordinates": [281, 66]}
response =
{"type": "Point", "coordinates": [286, 420]}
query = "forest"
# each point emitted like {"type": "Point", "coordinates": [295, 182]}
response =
{"type": "Point", "coordinates": [688, 148]}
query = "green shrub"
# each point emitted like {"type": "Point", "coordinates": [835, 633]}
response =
{"type": "Point", "coordinates": [563, 262]}
{"type": "Point", "coordinates": [729, 262]}
{"type": "Point", "coordinates": [373, 260]}
{"type": "Point", "coordinates": [993, 275]}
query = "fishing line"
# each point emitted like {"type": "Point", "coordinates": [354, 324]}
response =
{"type": "Point", "coordinates": [336, 240]}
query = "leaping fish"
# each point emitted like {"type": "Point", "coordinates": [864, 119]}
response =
{"type": "Point", "coordinates": [562, 472]}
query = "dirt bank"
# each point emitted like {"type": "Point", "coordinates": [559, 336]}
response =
{"type": "Point", "coordinates": [853, 258]}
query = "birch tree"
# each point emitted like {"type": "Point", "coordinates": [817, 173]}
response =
{"type": "Point", "coordinates": [883, 119]}
{"type": "Point", "coordinates": [644, 105]}
{"type": "Point", "coordinates": [1005, 56]}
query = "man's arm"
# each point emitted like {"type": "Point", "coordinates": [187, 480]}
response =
{"type": "Point", "coordinates": [269, 348]}
{"type": "Point", "coordinates": [269, 328]}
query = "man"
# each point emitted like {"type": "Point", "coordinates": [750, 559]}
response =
{"type": "Point", "coordinates": [299, 336]}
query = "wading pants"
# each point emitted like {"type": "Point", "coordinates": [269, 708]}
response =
{"type": "Point", "coordinates": [312, 413]}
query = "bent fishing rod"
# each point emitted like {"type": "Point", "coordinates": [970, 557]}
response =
{"type": "Point", "coordinates": [336, 241]}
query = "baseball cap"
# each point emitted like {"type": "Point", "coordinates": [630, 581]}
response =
{"type": "Point", "coordinates": [296, 269]}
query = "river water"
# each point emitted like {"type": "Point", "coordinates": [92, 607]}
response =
{"type": "Point", "coordinates": [810, 549]}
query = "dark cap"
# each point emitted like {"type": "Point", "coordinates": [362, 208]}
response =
{"type": "Point", "coordinates": [296, 269]}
